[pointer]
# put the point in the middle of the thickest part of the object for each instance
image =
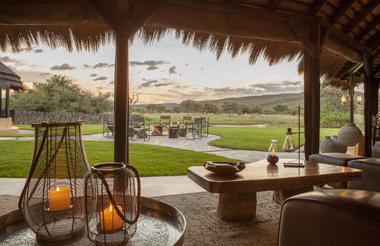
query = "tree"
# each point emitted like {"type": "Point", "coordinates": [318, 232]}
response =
{"type": "Point", "coordinates": [280, 108]}
{"type": "Point", "coordinates": [209, 107]}
{"type": "Point", "coordinates": [256, 109]}
{"type": "Point", "coordinates": [155, 108]}
{"type": "Point", "coordinates": [230, 107]}
{"type": "Point", "coordinates": [190, 106]}
{"type": "Point", "coordinates": [244, 109]}
{"type": "Point", "coordinates": [59, 94]}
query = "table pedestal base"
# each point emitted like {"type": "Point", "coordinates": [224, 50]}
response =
{"type": "Point", "coordinates": [237, 206]}
{"type": "Point", "coordinates": [280, 196]}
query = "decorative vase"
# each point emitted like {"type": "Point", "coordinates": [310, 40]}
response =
{"type": "Point", "coordinates": [112, 207]}
{"type": "Point", "coordinates": [327, 145]}
{"type": "Point", "coordinates": [341, 148]}
{"type": "Point", "coordinates": [349, 135]}
{"type": "Point", "coordinates": [52, 200]}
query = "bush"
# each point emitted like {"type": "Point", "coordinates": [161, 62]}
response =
{"type": "Point", "coordinates": [334, 119]}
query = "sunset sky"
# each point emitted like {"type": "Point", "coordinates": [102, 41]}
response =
{"type": "Point", "coordinates": [165, 71]}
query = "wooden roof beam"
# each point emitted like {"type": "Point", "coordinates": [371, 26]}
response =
{"type": "Point", "coordinates": [374, 41]}
{"type": "Point", "coordinates": [274, 5]}
{"type": "Point", "coordinates": [316, 7]}
{"type": "Point", "coordinates": [303, 37]}
{"type": "Point", "coordinates": [227, 7]}
{"type": "Point", "coordinates": [360, 16]}
{"type": "Point", "coordinates": [341, 10]}
{"type": "Point", "coordinates": [370, 26]}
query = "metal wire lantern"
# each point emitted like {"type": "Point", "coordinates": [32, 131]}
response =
{"type": "Point", "coordinates": [115, 199]}
{"type": "Point", "coordinates": [52, 200]}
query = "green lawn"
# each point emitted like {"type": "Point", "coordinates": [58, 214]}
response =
{"type": "Point", "coordinates": [87, 130]}
{"type": "Point", "coordinates": [149, 160]}
{"type": "Point", "coordinates": [257, 138]}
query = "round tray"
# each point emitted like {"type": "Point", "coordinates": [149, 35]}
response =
{"type": "Point", "coordinates": [159, 224]}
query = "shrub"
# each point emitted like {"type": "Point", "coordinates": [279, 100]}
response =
{"type": "Point", "coordinates": [334, 119]}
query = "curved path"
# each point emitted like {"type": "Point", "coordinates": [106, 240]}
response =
{"type": "Point", "coordinates": [200, 145]}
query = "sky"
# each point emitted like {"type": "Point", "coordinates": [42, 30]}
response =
{"type": "Point", "coordinates": [161, 72]}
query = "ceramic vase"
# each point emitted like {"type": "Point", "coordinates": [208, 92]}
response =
{"type": "Point", "coordinates": [327, 145]}
{"type": "Point", "coordinates": [341, 148]}
{"type": "Point", "coordinates": [349, 135]}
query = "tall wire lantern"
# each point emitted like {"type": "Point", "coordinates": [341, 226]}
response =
{"type": "Point", "coordinates": [115, 199]}
{"type": "Point", "coordinates": [52, 200]}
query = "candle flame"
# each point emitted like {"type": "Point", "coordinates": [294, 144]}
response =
{"type": "Point", "coordinates": [110, 207]}
{"type": "Point", "coordinates": [57, 188]}
{"type": "Point", "coordinates": [273, 151]}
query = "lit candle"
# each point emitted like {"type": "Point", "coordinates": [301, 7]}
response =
{"type": "Point", "coordinates": [59, 198]}
{"type": "Point", "coordinates": [273, 154]}
{"type": "Point", "coordinates": [109, 219]}
{"type": "Point", "coordinates": [343, 100]}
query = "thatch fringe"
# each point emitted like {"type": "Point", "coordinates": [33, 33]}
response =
{"type": "Point", "coordinates": [82, 36]}
{"type": "Point", "coordinates": [91, 37]}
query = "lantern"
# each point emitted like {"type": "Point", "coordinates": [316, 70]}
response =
{"type": "Point", "coordinates": [52, 200]}
{"type": "Point", "coordinates": [113, 205]}
{"type": "Point", "coordinates": [272, 157]}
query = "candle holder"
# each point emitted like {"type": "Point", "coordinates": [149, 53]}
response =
{"type": "Point", "coordinates": [52, 200]}
{"type": "Point", "coordinates": [272, 157]}
{"type": "Point", "coordinates": [112, 207]}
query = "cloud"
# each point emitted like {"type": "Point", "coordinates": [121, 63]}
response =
{"type": "Point", "coordinates": [25, 49]}
{"type": "Point", "coordinates": [172, 70]}
{"type": "Point", "coordinates": [100, 78]}
{"type": "Point", "coordinates": [86, 66]}
{"type": "Point", "coordinates": [156, 83]}
{"type": "Point", "coordinates": [38, 50]}
{"type": "Point", "coordinates": [229, 90]}
{"type": "Point", "coordinates": [12, 60]}
{"type": "Point", "coordinates": [93, 75]}
{"type": "Point", "coordinates": [102, 65]}
{"type": "Point", "coordinates": [44, 74]}
{"type": "Point", "coordinates": [147, 63]}
{"type": "Point", "coordinates": [148, 83]}
{"type": "Point", "coordinates": [64, 66]}
{"type": "Point", "coordinates": [282, 86]}
{"type": "Point", "coordinates": [152, 67]}
{"type": "Point", "coordinates": [111, 82]}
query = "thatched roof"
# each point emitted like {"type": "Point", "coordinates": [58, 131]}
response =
{"type": "Point", "coordinates": [9, 79]}
{"type": "Point", "coordinates": [255, 26]}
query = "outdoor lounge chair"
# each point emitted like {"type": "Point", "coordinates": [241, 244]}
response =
{"type": "Point", "coordinates": [140, 128]}
{"type": "Point", "coordinates": [331, 218]}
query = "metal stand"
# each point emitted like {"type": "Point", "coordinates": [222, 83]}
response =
{"type": "Point", "coordinates": [298, 163]}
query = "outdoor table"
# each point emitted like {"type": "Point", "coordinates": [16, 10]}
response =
{"type": "Point", "coordinates": [173, 131]}
{"type": "Point", "coordinates": [237, 193]}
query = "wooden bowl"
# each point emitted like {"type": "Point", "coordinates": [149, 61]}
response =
{"type": "Point", "coordinates": [224, 168]}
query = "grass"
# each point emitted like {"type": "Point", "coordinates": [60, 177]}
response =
{"type": "Point", "coordinates": [257, 138]}
{"type": "Point", "coordinates": [150, 160]}
{"type": "Point", "coordinates": [86, 130]}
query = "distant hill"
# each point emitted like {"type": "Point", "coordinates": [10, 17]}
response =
{"type": "Point", "coordinates": [266, 101]}
{"type": "Point", "coordinates": [167, 105]}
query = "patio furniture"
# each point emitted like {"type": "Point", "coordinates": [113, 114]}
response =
{"type": "Point", "coordinates": [157, 130]}
{"type": "Point", "coordinates": [141, 128]}
{"type": "Point", "coordinates": [198, 129]}
{"type": "Point", "coordinates": [173, 131]}
{"type": "Point", "coordinates": [338, 159]}
{"type": "Point", "coordinates": [371, 174]}
{"type": "Point", "coordinates": [165, 121]}
{"type": "Point", "coordinates": [331, 218]}
{"type": "Point", "coordinates": [237, 198]}
{"type": "Point", "coordinates": [108, 128]}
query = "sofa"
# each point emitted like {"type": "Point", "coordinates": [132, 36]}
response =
{"type": "Point", "coordinates": [331, 218]}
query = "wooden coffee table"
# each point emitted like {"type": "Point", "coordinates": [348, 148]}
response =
{"type": "Point", "coordinates": [237, 198]}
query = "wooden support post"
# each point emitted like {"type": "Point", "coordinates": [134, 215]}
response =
{"type": "Point", "coordinates": [352, 99]}
{"type": "Point", "coordinates": [370, 102]}
{"type": "Point", "coordinates": [121, 95]}
{"type": "Point", "coordinates": [312, 92]}
{"type": "Point", "coordinates": [1, 102]}
{"type": "Point", "coordinates": [7, 114]}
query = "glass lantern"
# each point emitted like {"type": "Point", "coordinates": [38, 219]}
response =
{"type": "Point", "coordinates": [272, 157]}
{"type": "Point", "coordinates": [272, 151]}
{"type": "Point", "coordinates": [112, 207]}
{"type": "Point", "coordinates": [52, 200]}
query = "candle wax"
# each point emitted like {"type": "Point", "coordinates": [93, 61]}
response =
{"type": "Point", "coordinates": [59, 198]}
{"type": "Point", "coordinates": [109, 219]}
